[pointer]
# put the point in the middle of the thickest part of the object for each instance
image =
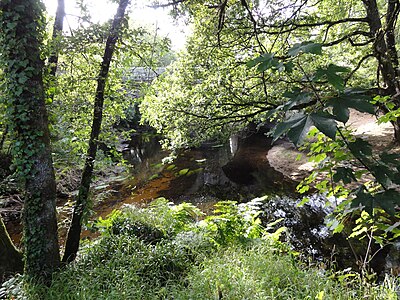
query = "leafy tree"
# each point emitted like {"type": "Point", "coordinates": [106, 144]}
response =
{"type": "Point", "coordinates": [24, 98]}
{"type": "Point", "coordinates": [72, 243]}
{"type": "Point", "coordinates": [213, 86]}
{"type": "Point", "coordinates": [308, 63]}
{"type": "Point", "coordinates": [76, 86]}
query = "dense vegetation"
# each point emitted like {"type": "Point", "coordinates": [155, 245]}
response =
{"type": "Point", "coordinates": [162, 252]}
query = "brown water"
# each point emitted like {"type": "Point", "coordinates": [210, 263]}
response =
{"type": "Point", "coordinates": [201, 176]}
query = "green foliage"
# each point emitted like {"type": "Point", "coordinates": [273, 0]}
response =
{"type": "Point", "coordinates": [331, 74]}
{"type": "Point", "coordinates": [258, 273]}
{"type": "Point", "coordinates": [297, 127]}
{"type": "Point", "coordinates": [305, 47]}
{"type": "Point", "coordinates": [160, 219]}
{"type": "Point", "coordinates": [21, 62]}
{"type": "Point", "coordinates": [232, 223]}
{"type": "Point", "coordinates": [75, 87]}
{"type": "Point", "coordinates": [185, 265]}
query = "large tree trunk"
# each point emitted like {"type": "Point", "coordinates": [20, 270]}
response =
{"type": "Point", "coordinates": [385, 51]}
{"type": "Point", "coordinates": [10, 258]}
{"type": "Point", "coordinates": [73, 238]}
{"type": "Point", "coordinates": [23, 68]}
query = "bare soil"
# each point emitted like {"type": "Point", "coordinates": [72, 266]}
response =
{"type": "Point", "coordinates": [285, 157]}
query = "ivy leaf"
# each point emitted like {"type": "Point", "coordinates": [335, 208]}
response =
{"type": "Point", "coordinates": [344, 174]}
{"type": "Point", "coordinates": [325, 123]}
{"type": "Point", "coordinates": [305, 47]}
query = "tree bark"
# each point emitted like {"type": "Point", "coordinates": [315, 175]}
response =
{"type": "Point", "coordinates": [73, 238]}
{"type": "Point", "coordinates": [385, 52]}
{"type": "Point", "coordinates": [23, 68]}
{"type": "Point", "coordinates": [10, 258]}
{"type": "Point", "coordinates": [57, 34]}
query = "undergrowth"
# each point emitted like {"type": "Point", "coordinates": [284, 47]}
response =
{"type": "Point", "coordinates": [166, 252]}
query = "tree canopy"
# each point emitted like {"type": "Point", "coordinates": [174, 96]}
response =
{"type": "Point", "coordinates": [299, 64]}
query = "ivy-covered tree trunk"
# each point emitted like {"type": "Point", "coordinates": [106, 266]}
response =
{"type": "Point", "coordinates": [10, 257]}
{"type": "Point", "coordinates": [73, 238]}
{"type": "Point", "coordinates": [21, 25]}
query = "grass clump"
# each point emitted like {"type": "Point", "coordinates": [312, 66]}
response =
{"type": "Point", "coordinates": [259, 273]}
{"type": "Point", "coordinates": [165, 252]}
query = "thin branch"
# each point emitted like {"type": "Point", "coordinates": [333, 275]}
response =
{"type": "Point", "coordinates": [294, 26]}
{"type": "Point", "coordinates": [172, 3]}
{"type": "Point", "coordinates": [357, 67]}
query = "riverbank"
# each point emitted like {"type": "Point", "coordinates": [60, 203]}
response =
{"type": "Point", "coordinates": [163, 252]}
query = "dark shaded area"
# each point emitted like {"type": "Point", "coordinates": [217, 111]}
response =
{"type": "Point", "coordinates": [10, 258]}
{"type": "Point", "coordinates": [5, 165]}
{"type": "Point", "coordinates": [249, 166]}
{"type": "Point", "coordinates": [308, 234]}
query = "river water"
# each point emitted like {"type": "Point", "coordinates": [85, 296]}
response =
{"type": "Point", "coordinates": [238, 170]}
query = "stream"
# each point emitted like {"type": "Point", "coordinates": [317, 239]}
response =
{"type": "Point", "coordinates": [237, 171]}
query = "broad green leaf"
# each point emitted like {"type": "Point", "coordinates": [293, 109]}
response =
{"type": "Point", "coordinates": [330, 73]}
{"type": "Point", "coordinates": [289, 66]}
{"type": "Point", "coordinates": [341, 111]}
{"type": "Point", "coordinates": [388, 200]}
{"type": "Point", "coordinates": [390, 158]}
{"type": "Point", "coordinates": [358, 101]}
{"type": "Point", "coordinates": [325, 123]}
{"type": "Point", "coordinates": [364, 199]}
{"type": "Point", "coordinates": [344, 174]}
{"type": "Point", "coordinates": [270, 113]}
{"type": "Point", "coordinates": [337, 69]}
{"type": "Point", "coordinates": [183, 172]}
{"type": "Point", "coordinates": [305, 47]}
{"type": "Point", "coordinates": [303, 201]}
{"type": "Point", "coordinates": [360, 147]}
{"type": "Point", "coordinates": [350, 99]}
{"type": "Point", "coordinates": [340, 108]}
{"type": "Point", "coordinates": [382, 173]}
{"type": "Point", "coordinates": [252, 63]}
{"type": "Point", "coordinates": [283, 127]}
{"type": "Point", "coordinates": [296, 97]}
{"type": "Point", "coordinates": [298, 131]}
{"type": "Point", "coordinates": [336, 81]}
{"type": "Point", "coordinates": [264, 62]}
